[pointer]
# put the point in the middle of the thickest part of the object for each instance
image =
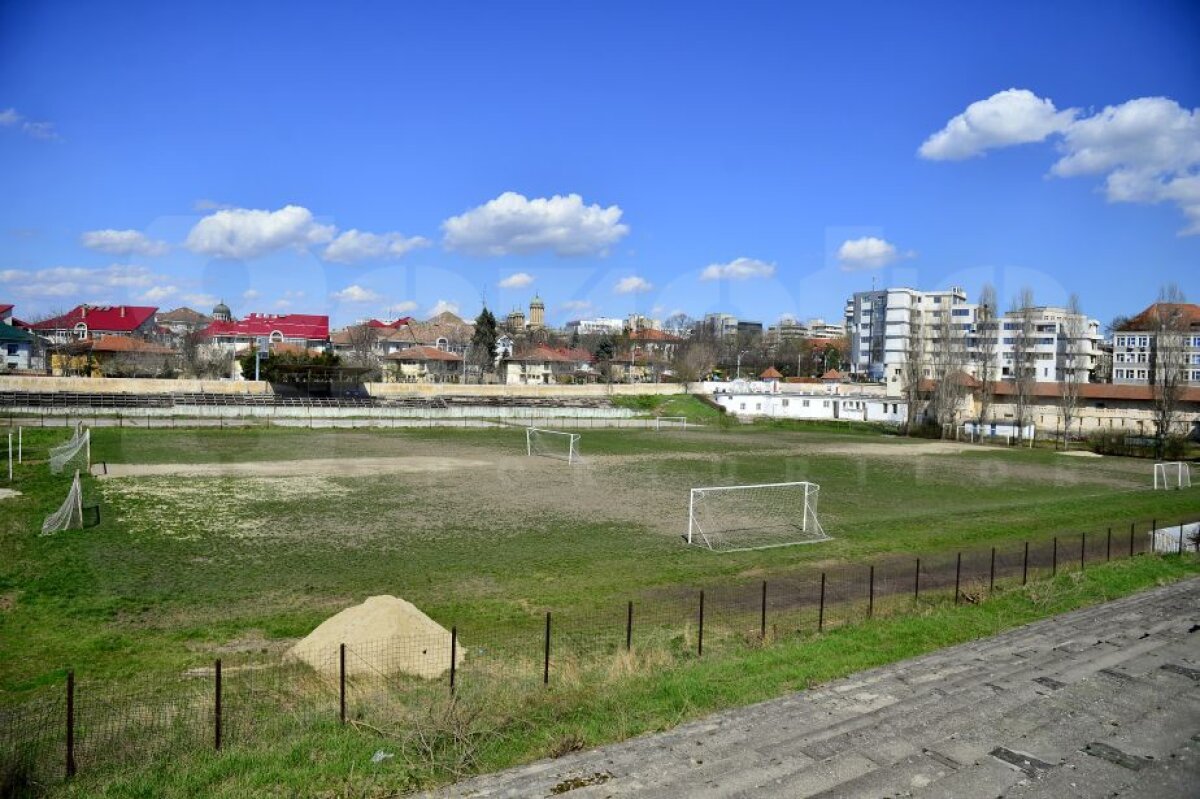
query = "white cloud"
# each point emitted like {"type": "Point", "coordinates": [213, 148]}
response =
{"type": "Point", "coordinates": [401, 308]}
{"type": "Point", "coordinates": [514, 224]}
{"type": "Point", "coordinates": [516, 280]}
{"type": "Point", "coordinates": [442, 306]}
{"type": "Point", "coordinates": [11, 118]}
{"type": "Point", "coordinates": [73, 281]}
{"type": "Point", "coordinates": [124, 242]}
{"type": "Point", "coordinates": [203, 205]}
{"type": "Point", "coordinates": [577, 305]}
{"type": "Point", "coordinates": [356, 293]}
{"type": "Point", "coordinates": [356, 245]}
{"type": "Point", "coordinates": [738, 269]}
{"type": "Point", "coordinates": [1013, 116]}
{"type": "Point", "coordinates": [159, 293]}
{"type": "Point", "coordinates": [241, 233]}
{"type": "Point", "coordinates": [633, 285]}
{"type": "Point", "coordinates": [1148, 148]}
{"type": "Point", "coordinates": [250, 294]}
{"type": "Point", "coordinates": [288, 299]}
{"type": "Point", "coordinates": [867, 252]}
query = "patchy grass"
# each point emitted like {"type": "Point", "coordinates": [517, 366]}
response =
{"type": "Point", "coordinates": [305, 752]}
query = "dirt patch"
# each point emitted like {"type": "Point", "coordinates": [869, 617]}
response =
{"type": "Point", "coordinates": [331, 467]}
{"type": "Point", "coordinates": [1081, 453]}
{"type": "Point", "coordinates": [8, 493]}
{"type": "Point", "coordinates": [7, 602]}
{"type": "Point", "coordinates": [251, 642]}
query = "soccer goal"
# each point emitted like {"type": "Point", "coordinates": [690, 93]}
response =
{"type": "Point", "coordinates": [1172, 474]}
{"type": "Point", "coordinates": [69, 516]}
{"type": "Point", "coordinates": [670, 422]}
{"type": "Point", "coordinates": [79, 447]}
{"type": "Point", "coordinates": [552, 444]}
{"type": "Point", "coordinates": [733, 518]}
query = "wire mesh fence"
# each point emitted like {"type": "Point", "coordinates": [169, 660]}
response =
{"type": "Point", "coordinates": [77, 725]}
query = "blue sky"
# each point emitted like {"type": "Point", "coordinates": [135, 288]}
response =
{"type": "Point", "coordinates": [759, 159]}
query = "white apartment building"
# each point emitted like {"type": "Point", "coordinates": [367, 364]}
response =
{"type": "Point", "coordinates": [879, 324]}
{"type": "Point", "coordinates": [596, 326]}
{"type": "Point", "coordinates": [789, 328]}
{"type": "Point", "coordinates": [1136, 346]}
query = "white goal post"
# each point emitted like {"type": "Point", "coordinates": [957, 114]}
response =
{"type": "Point", "coordinates": [1172, 474]}
{"type": "Point", "coordinates": [552, 444]}
{"type": "Point", "coordinates": [665, 422]}
{"type": "Point", "coordinates": [734, 518]}
{"type": "Point", "coordinates": [79, 445]}
{"type": "Point", "coordinates": [69, 515]}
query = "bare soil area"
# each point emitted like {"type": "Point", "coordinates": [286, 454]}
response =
{"type": "Point", "coordinates": [330, 467]}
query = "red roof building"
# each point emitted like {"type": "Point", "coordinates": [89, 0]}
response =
{"type": "Point", "coordinates": [98, 321]}
{"type": "Point", "coordinates": [307, 330]}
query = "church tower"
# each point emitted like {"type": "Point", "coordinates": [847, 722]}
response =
{"type": "Point", "coordinates": [537, 313]}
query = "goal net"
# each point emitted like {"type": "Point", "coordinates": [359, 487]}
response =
{"type": "Point", "coordinates": [552, 444]}
{"type": "Point", "coordinates": [670, 422]}
{"type": "Point", "coordinates": [1172, 474]}
{"type": "Point", "coordinates": [79, 448]}
{"type": "Point", "coordinates": [731, 518]}
{"type": "Point", "coordinates": [69, 516]}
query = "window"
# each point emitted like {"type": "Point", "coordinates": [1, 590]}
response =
{"type": "Point", "coordinates": [12, 349]}
{"type": "Point", "coordinates": [785, 403]}
{"type": "Point", "coordinates": [1120, 342]}
{"type": "Point", "coordinates": [825, 403]}
{"type": "Point", "coordinates": [1141, 374]}
{"type": "Point", "coordinates": [743, 406]}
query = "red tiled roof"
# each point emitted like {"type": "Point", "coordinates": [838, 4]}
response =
{"type": "Point", "coordinates": [650, 334]}
{"type": "Point", "coordinates": [115, 318]}
{"type": "Point", "coordinates": [771, 373]}
{"type": "Point", "coordinates": [311, 327]}
{"type": "Point", "coordinates": [421, 353]}
{"type": "Point", "coordinates": [542, 353]}
{"type": "Point", "coordinates": [1148, 319]}
{"type": "Point", "coordinates": [832, 374]}
{"type": "Point", "coordinates": [5, 308]}
{"type": "Point", "coordinates": [127, 344]}
{"type": "Point", "coordinates": [393, 325]}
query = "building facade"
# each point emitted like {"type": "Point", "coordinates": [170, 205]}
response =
{"type": "Point", "coordinates": [1138, 346]}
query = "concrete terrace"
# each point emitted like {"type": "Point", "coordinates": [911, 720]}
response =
{"type": "Point", "coordinates": [1100, 702]}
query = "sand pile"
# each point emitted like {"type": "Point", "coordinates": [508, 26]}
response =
{"type": "Point", "coordinates": [383, 636]}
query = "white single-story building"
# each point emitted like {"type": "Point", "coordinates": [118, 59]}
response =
{"type": "Point", "coordinates": [814, 407]}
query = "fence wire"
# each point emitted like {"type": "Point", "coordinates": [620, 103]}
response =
{"type": "Point", "coordinates": [393, 684]}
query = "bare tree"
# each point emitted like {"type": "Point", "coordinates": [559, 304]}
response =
{"type": "Point", "coordinates": [1168, 368]}
{"type": "Point", "coordinates": [1074, 367]}
{"type": "Point", "coordinates": [1024, 358]}
{"type": "Point", "coordinates": [912, 372]}
{"type": "Point", "coordinates": [987, 330]}
{"type": "Point", "coordinates": [948, 363]}
{"type": "Point", "coordinates": [693, 361]}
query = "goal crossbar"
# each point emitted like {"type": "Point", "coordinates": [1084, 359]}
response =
{"type": "Point", "coordinates": [670, 421]}
{"type": "Point", "coordinates": [552, 444]}
{"type": "Point", "coordinates": [1172, 474]}
{"type": "Point", "coordinates": [756, 516]}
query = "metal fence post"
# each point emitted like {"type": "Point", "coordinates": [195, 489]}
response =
{"type": "Point", "coordinates": [1181, 538]}
{"type": "Point", "coordinates": [71, 723]}
{"type": "Point", "coordinates": [1054, 559]}
{"type": "Point", "coordinates": [1025, 566]}
{"type": "Point", "coordinates": [821, 611]}
{"type": "Point", "coordinates": [957, 576]}
{"type": "Point", "coordinates": [1082, 551]}
{"type": "Point", "coordinates": [546, 661]}
{"type": "Point", "coordinates": [1131, 525]}
{"type": "Point", "coordinates": [763, 622]}
{"type": "Point", "coordinates": [917, 581]}
{"type": "Point", "coordinates": [453, 655]}
{"type": "Point", "coordinates": [992, 573]}
{"type": "Point", "coordinates": [700, 637]}
{"type": "Point", "coordinates": [1108, 547]}
{"type": "Point", "coordinates": [342, 683]}
{"type": "Point", "coordinates": [217, 707]}
{"type": "Point", "coordinates": [871, 593]}
{"type": "Point", "coordinates": [629, 627]}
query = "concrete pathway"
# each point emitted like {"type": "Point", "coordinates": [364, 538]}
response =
{"type": "Point", "coordinates": [1101, 702]}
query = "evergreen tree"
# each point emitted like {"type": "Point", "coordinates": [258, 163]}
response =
{"type": "Point", "coordinates": [483, 341]}
{"type": "Point", "coordinates": [606, 348]}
